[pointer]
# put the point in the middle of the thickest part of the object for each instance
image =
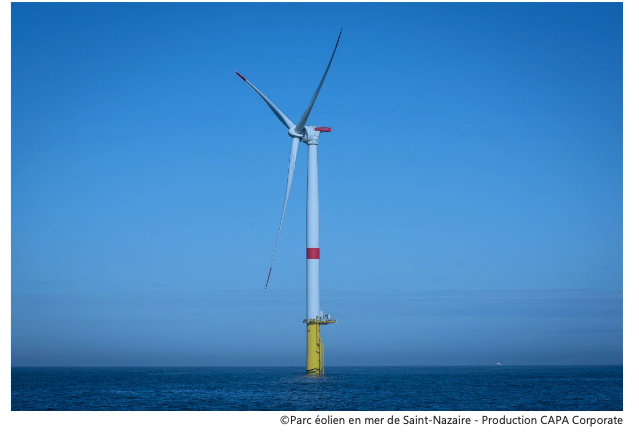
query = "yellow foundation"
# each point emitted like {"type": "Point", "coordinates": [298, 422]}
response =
{"type": "Point", "coordinates": [314, 346]}
{"type": "Point", "coordinates": [314, 350]}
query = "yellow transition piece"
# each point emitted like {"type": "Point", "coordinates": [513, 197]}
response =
{"type": "Point", "coordinates": [314, 352]}
{"type": "Point", "coordinates": [314, 345]}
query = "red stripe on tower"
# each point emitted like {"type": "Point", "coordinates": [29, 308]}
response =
{"type": "Point", "coordinates": [312, 253]}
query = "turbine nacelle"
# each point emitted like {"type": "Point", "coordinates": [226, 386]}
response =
{"type": "Point", "coordinates": [310, 134]}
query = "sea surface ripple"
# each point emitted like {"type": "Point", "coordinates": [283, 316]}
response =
{"type": "Point", "coordinates": [492, 388]}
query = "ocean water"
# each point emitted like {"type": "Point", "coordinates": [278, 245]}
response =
{"type": "Point", "coordinates": [500, 388]}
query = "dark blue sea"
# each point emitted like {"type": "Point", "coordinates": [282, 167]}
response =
{"type": "Point", "coordinates": [495, 388]}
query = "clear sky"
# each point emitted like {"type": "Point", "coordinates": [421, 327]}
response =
{"type": "Point", "coordinates": [471, 190]}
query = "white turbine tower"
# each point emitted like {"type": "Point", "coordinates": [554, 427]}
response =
{"type": "Point", "coordinates": [309, 135]}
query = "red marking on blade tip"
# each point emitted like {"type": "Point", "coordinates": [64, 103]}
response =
{"type": "Point", "coordinates": [268, 278]}
{"type": "Point", "coordinates": [312, 253]}
{"type": "Point", "coordinates": [240, 75]}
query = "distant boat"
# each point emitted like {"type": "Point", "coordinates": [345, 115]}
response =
{"type": "Point", "coordinates": [498, 363]}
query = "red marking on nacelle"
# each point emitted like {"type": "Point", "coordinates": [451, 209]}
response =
{"type": "Point", "coordinates": [240, 75]}
{"type": "Point", "coordinates": [323, 128]}
{"type": "Point", "coordinates": [312, 253]}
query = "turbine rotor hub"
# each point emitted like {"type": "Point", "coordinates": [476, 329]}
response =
{"type": "Point", "coordinates": [292, 133]}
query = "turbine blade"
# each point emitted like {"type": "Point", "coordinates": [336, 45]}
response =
{"type": "Point", "coordinates": [272, 106]}
{"type": "Point", "coordinates": [300, 125]}
{"type": "Point", "coordinates": [291, 171]}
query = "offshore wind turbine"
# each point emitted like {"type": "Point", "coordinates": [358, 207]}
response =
{"type": "Point", "coordinates": [300, 132]}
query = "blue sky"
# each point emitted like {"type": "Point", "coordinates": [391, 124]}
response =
{"type": "Point", "coordinates": [471, 190]}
